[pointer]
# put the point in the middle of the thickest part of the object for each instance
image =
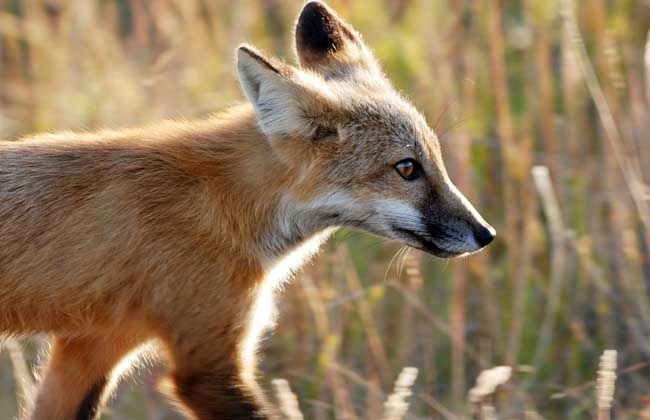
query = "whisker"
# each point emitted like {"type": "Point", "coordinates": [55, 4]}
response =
{"type": "Point", "coordinates": [405, 256]}
{"type": "Point", "coordinates": [443, 113]}
{"type": "Point", "coordinates": [391, 263]}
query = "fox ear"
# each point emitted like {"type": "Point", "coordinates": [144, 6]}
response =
{"type": "Point", "coordinates": [267, 85]}
{"type": "Point", "coordinates": [328, 45]}
{"type": "Point", "coordinates": [286, 100]}
{"type": "Point", "coordinates": [257, 72]}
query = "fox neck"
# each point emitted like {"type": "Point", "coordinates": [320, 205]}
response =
{"type": "Point", "coordinates": [255, 184]}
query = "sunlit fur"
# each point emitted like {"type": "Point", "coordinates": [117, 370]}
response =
{"type": "Point", "coordinates": [183, 231]}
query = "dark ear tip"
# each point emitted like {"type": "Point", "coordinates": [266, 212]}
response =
{"type": "Point", "coordinates": [317, 28]}
{"type": "Point", "coordinates": [245, 51]}
{"type": "Point", "coordinates": [314, 7]}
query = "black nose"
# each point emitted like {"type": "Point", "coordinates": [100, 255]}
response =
{"type": "Point", "coordinates": [484, 235]}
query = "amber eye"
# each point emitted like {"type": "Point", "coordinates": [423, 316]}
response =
{"type": "Point", "coordinates": [408, 169]}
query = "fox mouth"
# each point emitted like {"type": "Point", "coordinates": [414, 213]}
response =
{"type": "Point", "coordinates": [423, 243]}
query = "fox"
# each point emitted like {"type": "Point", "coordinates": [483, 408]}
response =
{"type": "Point", "coordinates": [182, 232]}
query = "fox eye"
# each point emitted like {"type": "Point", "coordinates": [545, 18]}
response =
{"type": "Point", "coordinates": [408, 169]}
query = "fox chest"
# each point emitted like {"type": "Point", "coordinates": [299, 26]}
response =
{"type": "Point", "coordinates": [283, 267]}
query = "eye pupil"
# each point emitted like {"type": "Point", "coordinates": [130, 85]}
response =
{"type": "Point", "coordinates": [407, 169]}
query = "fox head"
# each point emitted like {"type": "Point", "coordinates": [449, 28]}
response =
{"type": "Point", "coordinates": [363, 156]}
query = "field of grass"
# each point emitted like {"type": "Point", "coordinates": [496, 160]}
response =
{"type": "Point", "coordinates": [542, 108]}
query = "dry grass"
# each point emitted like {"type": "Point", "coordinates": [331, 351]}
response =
{"type": "Point", "coordinates": [606, 384]}
{"type": "Point", "coordinates": [560, 86]}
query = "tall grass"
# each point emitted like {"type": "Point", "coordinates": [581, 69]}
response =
{"type": "Point", "coordinates": [508, 86]}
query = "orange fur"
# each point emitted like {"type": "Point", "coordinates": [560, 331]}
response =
{"type": "Point", "coordinates": [121, 231]}
{"type": "Point", "coordinates": [182, 231]}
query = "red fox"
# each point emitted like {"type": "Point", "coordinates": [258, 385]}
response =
{"type": "Point", "coordinates": [181, 231]}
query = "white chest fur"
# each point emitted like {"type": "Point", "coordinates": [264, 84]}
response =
{"type": "Point", "coordinates": [282, 268]}
{"type": "Point", "coordinates": [277, 272]}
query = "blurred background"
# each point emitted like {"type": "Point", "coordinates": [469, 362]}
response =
{"type": "Point", "coordinates": [541, 107]}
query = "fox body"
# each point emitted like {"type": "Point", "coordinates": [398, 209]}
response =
{"type": "Point", "coordinates": [181, 231]}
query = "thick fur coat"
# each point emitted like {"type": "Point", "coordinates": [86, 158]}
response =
{"type": "Point", "coordinates": [182, 231]}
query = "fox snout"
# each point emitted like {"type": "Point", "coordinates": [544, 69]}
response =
{"type": "Point", "coordinates": [446, 225]}
{"type": "Point", "coordinates": [484, 234]}
{"type": "Point", "coordinates": [455, 226]}
{"type": "Point", "coordinates": [457, 236]}
{"type": "Point", "coordinates": [451, 239]}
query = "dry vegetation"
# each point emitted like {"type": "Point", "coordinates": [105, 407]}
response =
{"type": "Point", "coordinates": [510, 86]}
